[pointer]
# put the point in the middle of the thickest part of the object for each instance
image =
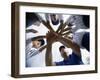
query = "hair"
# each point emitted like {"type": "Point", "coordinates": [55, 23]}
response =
{"type": "Point", "coordinates": [42, 41]}
{"type": "Point", "coordinates": [54, 22]}
{"type": "Point", "coordinates": [31, 18]}
{"type": "Point", "coordinates": [61, 48]}
{"type": "Point", "coordinates": [86, 20]}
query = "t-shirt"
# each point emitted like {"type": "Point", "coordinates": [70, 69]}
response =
{"type": "Point", "coordinates": [72, 59]}
{"type": "Point", "coordinates": [30, 53]}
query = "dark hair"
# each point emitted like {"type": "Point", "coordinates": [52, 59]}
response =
{"type": "Point", "coordinates": [61, 48]}
{"type": "Point", "coordinates": [31, 18]}
{"type": "Point", "coordinates": [86, 20]}
{"type": "Point", "coordinates": [42, 41]}
{"type": "Point", "coordinates": [56, 22]}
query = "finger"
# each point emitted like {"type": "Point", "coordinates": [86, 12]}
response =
{"type": "Point", "coordinates": [68, 37]}
{"type": "Point", "coordinates": [66, 29]}
{"type": "Point", "coordinates": [67, 33]}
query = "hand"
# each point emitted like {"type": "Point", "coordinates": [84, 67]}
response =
{"type": "Point", "coordinates": [51, 37]}
{"type": "Point", "coordinates": [65, 30]}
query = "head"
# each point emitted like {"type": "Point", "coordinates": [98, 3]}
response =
{"type": "Point", "coordinates": [86, 20]}
{"type": "Point", "coordinates": [54, 19]}
{"type": "Point", "coordinates": [38, 43]}
{"type": "Point", "coordinates": [63, 52]}
{"type": "Point", "coordinates": [32, 18]}
{"type": "Point", "coordinates": [78, 22]}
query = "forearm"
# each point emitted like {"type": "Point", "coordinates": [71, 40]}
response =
{"type": "Point", "coordinates": [42, 48]}
{"type": "Point", "coordinates": [34, 38]}
{"type": "Point", "coordinates": [31, 30]}
{"type": "Point", "coordinates": [48, 57]}
{"type": "Point", "coordinates": [70, 44]}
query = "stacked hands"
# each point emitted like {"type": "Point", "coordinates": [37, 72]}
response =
{"type": "Point", "coordinates": [63, 31]}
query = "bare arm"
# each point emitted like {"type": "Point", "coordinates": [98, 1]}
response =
{"type": "Point", "coordinates": [34, 38]}
{"type": "Point", "coordinates": [71, 44]}
{"type": "Point", "coordinates": [60, 27]}
{"type": "Point", "coordinates": [50, 41]}
{"type": "Point", "coordinates": [31, 30]}
{"type": "Point", "coordinates": [48, 57]}
{"type": "Point", "coordinates": [42, 48]}
{"type": "Point", "coordinates": [47, 24]}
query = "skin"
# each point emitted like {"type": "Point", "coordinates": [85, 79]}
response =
{"type": "Point", "coordinates": [53, 36]}
{"type": "Point", "coordinates": [63, 53]}
{"type": "Point", "coordinates": [36, 43]}
{"type": "Point", "coordinates": [64, 41]}
{"type": "Point", "coordinates": [60, 35]}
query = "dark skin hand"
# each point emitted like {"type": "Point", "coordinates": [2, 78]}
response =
{"type": "Point", "coordinates": [42, 48]}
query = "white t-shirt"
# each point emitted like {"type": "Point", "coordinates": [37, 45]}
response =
{"type": "Point", "coordinates": [30, 53]}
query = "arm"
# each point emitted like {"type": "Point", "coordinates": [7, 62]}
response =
{"type": "Point", "coordinates": [47, 24]}
{"type": "Point", "coordinates": [34, 38]}
{"type": "Point", "coordinates": [48, 57]}
{"type": "Point", "coordinates": [31, 30]}
{"type": "Point", "coordinates": [71, 44]}
{"type": "Point", "coordinates": [42, 48]}
{"type": "Point", "coordinates": [61, 27]}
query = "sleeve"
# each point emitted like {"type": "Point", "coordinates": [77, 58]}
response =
{"type": "Point", "coordinates": [75, 59]}
{"type": "Point", "coordinates": [59, 63]}
{"type": "Point", "coordinates": [30, 52]}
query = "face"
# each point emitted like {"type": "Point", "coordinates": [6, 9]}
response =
{"type": "Point", "coordinates": [36, 44]}
{"type": "Point", "coordinates": [63, 53]}
{"type": "Point", "coordinates": [54, 17]}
